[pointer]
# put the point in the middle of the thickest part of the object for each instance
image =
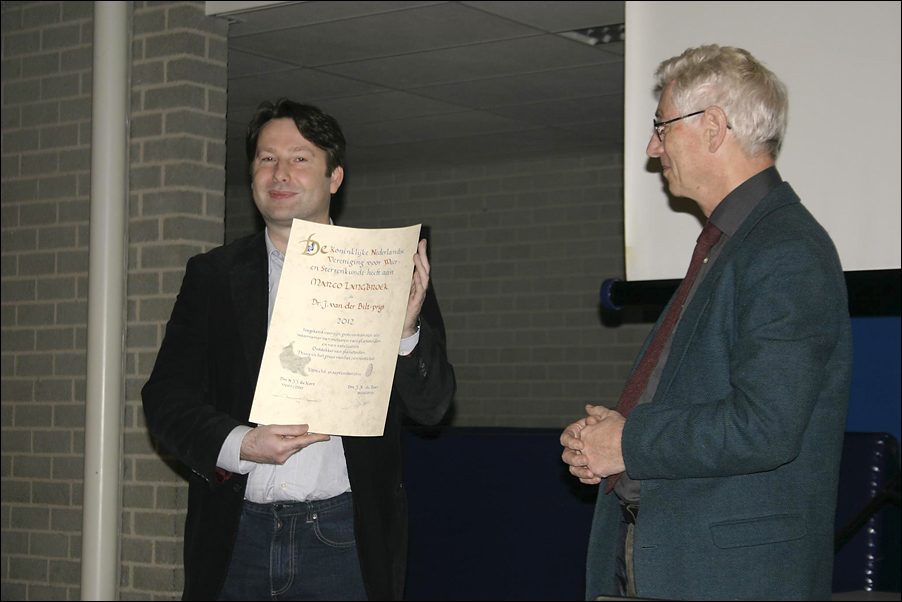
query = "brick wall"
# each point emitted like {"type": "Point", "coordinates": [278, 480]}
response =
{"type": "Point", "coordinates": [519, 249]}
{"type": "Point", "coordinates": [46, 159]}
{"type": "Point", "coordinates": [176, 209]}
{"type": "Point", "coordinates": [241, 216]}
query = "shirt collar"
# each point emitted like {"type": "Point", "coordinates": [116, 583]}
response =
{"type": "Point", "coordinates": [737, 205]}
{"type": "Point", "coordinates": [270, 247]}
{"type": "Point", "coordinates": [274, 256]}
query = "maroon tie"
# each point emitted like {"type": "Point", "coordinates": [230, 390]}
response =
{"type": "Point", "coordinates": [639, 379]}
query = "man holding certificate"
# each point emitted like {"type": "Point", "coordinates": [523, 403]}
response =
{"type": "Point", "coordinates": [278, 511]}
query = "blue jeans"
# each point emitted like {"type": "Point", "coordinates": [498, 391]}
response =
{"type": "Point", "coordinates": [296, 551]}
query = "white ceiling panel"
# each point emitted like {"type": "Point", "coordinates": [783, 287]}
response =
{"type": "Point", "coordinates": [387, 34]}
{"type": "Point", "coordinates": [617, 48]}
{"type": "Point", "coordinates": [565, 112]}
{"type": "Point", "coordinates": [575, 82]}
{"type": "Point", "coordinates": [433, 81]}
{"type": "Point", "coordinates": [479, 61]}
{"type": "Point", "coordinates": [556, 16]}
{"type": "Point", "coordinates": [385, 106]}
{"type": "Point", "coordinates": [303, 85]}
{"type": "Point", "coordinates": [295, 14]}
{"type": "Point", "coordinates": [242, 64]}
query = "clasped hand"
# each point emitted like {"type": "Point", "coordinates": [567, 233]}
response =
{"type": "Point", "coordinates": [592, 445]}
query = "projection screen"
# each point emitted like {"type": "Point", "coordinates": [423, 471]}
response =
{"type": "Point", "coordinates": [841, 63]}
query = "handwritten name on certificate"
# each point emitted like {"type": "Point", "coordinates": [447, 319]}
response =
{"type": "Point", "coordinates": [333, 339]}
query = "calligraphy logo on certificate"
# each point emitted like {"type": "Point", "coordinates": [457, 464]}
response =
{"type": "Point", "coordinates": [312, 247]}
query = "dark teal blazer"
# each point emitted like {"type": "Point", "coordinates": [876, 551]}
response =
{"type": "Point", "coordinates": [739, 450]}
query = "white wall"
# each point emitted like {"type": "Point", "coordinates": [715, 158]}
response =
{"type": "Point", "coordinates": [841, 63]}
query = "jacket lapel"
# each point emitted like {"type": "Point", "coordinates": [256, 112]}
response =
{"type": "Point", "coordinates": [249, 284]}
{"type": "Point", "coordinates": [686, 329]}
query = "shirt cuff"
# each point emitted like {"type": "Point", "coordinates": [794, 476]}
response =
{"type": "Point", "coordinates": [230, 455]}
{"type": "Point", "coordinates": [410, 343]}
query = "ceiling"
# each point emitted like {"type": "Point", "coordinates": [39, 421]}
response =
{"type": "Point", "coordinates": [415, 82]}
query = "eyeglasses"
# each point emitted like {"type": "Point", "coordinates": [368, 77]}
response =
{"type": "Point", "coordinates": [661, 126]}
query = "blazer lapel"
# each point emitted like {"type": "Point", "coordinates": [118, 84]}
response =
{"type": "Point", "coordinates": [249, 284]}
{"type": "Point", "coordinates": [685, 331]}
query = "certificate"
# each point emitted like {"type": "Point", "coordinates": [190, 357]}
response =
{"type": "Point", "coordinates": [333, 339]}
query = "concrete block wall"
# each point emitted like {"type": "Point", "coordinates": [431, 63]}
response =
{"type": "Point", "coordinates": [46, 156]}
{"type": "Point", "coordinates": [519, 248]}
{"type": "Point", "coordinates": [176, 206]}
{"type": "Point", "coordinates": [178, 131]}
{"type": "Point", "coordinates": [241, 217]}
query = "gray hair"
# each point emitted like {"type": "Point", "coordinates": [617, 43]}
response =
{"type": "Point", "coordinates": [754, 99]}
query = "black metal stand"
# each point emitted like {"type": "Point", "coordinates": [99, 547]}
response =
{"type": "Point", "coordinates": [871, 293]}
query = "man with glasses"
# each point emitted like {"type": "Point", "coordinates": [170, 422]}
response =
{"type": "Point", "coordinates": [720, 462]}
